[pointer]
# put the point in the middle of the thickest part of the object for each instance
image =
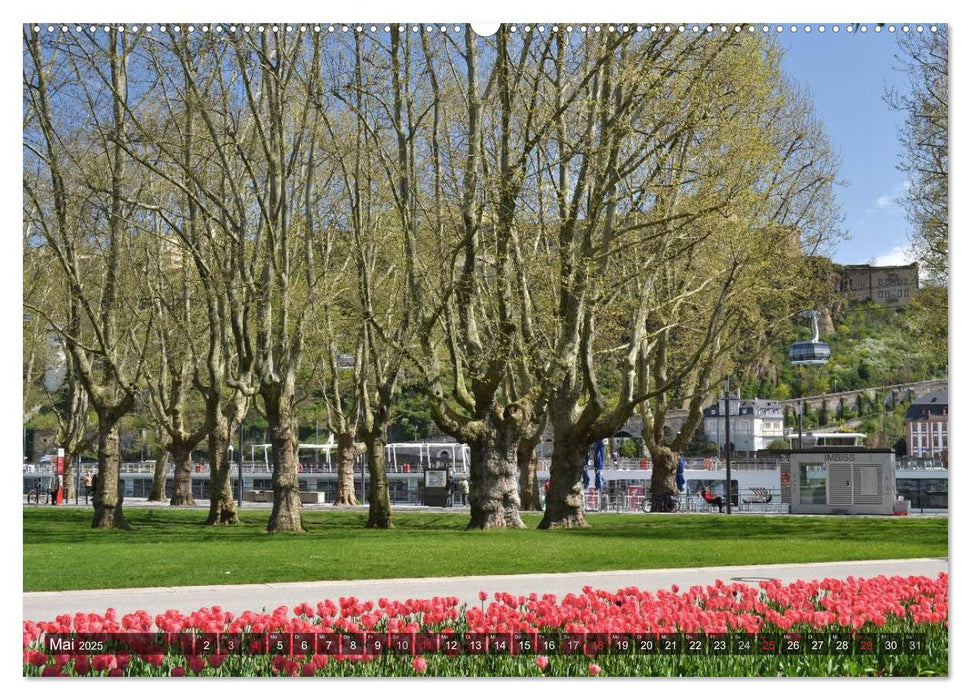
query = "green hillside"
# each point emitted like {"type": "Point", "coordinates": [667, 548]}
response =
{"type": "Point", "coordinates": [871, 347]}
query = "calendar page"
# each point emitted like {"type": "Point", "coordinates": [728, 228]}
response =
{"type": "Point", "coordinates": [546, 349]}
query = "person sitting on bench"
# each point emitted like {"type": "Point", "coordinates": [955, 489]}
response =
{"type": "Point", "coordinates": [713, 500]}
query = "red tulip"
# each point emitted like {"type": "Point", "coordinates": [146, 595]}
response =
{"type": "Point", "coordinates": [196, 663]}
{"type": "Point", "coordinates": [103, 662]}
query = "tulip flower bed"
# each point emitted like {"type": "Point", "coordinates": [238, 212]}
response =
{"type": "Point", "coordinates": [853, 627]}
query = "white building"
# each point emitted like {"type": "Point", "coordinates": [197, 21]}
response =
{"type": "Point", "coordinates": [753, 423]}
{"type": "Point", "coordinates": [927, 425]}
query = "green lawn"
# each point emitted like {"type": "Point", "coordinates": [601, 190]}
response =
{"type": "Point", "coordinates": [172, 548]}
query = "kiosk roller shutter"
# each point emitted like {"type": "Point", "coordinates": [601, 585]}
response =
{"type": "Point", "coordinates": [867, 483]}
{"type": "Point", "coordinates": [840, 491]}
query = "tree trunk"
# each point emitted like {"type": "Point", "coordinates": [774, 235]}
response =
{"type": "Point", "coordinates": [528, 483]}
{"type": "Point", "coordinates": [108, 494]}
{"type": "Point", "coordinates": [379, 499]}
{"type": "Point", "coordinates": [493, 486]}
{"type": "Point", "coordinates": [664, 466]}
{"type": "Point", "coordinates": [346, 453]}
{"type": "Point", "coordinates": [283, 440]}
{"type": "Point", "coordinates": [564, 502]}
{"type": "Point", "coordinates": [222, 506]}
{"type": "Point", "coordinates": [69, 476]}
{"type": "Point", "coordinates": [182, 482]}
{"type": "Point", "coordinates": [158, 480]}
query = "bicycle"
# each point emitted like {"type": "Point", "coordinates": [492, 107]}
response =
{"type": "Point", "coordinates": [667, 502]}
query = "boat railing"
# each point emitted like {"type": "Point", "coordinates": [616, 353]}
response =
{"type": "Point", "coordinates": [631, 500]}
{"type": "Point", "coordinates": [696, 463]}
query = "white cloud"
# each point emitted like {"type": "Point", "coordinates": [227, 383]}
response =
{"type": "Point", "coordinates": [895, 256]}
{"type": "Point", "coordinates": [885, 201]}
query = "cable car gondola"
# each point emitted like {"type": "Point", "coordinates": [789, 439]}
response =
{"type": "Point", "coordinates": [810, 352]}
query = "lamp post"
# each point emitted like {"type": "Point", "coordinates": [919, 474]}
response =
{"type": "Point", "coordinates": [229, 467]}
{"type": "Point", "coordinates": [239, 487]}
{"type": "Point", "coordinates": [728, 445]}
{"type": "Point", "coordinates": [802, 410]}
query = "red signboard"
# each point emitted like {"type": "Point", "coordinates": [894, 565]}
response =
{"type": "Point", "coordinates": [59, 498]}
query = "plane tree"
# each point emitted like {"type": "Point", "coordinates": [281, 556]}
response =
{"type": "Point", "coordinates": [78, 179]}
{"type": "Point", "coordinates": [752, 258]}
{"type": "Point", "coordinates": [655, 212]}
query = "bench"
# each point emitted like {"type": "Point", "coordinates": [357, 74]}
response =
{"type": "Point", "coordinates": [307, 497]}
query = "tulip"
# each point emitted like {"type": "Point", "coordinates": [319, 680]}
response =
{"type": "Point", "coordinates": [103, 662]}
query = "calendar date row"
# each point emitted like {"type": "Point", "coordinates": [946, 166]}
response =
{"type": "Point", "coordinates": [508, 643]}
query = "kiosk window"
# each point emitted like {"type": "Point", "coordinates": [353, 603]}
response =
{"type": "Point", "coordinates": [812, 483]}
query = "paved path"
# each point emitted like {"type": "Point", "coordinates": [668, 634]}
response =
{"type": "Point", "coordinates": [45, 606]}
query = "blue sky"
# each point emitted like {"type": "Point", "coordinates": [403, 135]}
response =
{"type": "Point", "coordinates": [847, 76]}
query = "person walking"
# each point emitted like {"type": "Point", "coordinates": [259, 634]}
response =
{"type": "Point", "coordinates": [87, 486]}
{"type": "Point", "coordinates": [53, 486]}
{"type": "Point", "coordinates": [464, 490]}
{"type": "Point", "coordinates": [449, 491]}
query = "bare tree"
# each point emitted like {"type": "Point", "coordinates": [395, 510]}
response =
{"type": "Point", "coordinates": [170, 389]}
{"type": "Point", "coordinates": [51, 380]}
{"type": "Point", "coordinates": [482, 308]}
{"type": "Point", "coordinates": [380, 181]}
{"type": "Point", "coordinates": [106, 353]}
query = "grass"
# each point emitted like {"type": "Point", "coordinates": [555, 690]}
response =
{"type": "Point", "coordinates": [173, 548]}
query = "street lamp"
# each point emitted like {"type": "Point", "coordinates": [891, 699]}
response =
{"type": "Point", "coordinates": [239, 487]}
{"type": "Point", "coordinates": [728, 445]}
